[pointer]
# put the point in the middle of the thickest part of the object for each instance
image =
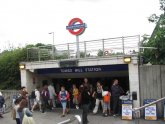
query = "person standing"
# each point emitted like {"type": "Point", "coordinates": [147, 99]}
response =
{"type": "Point", "coordinates": [21, 110]}
{"type": "Point", "coordinates": [63, 96]}
{"type": "Point", "coordinates": [2, 101]}
{"type": "Point", "coordinates": [86, 83]}
{"type": "Point", "coordinates": [85, 101]}
{"type": "Point", "coordinates": [24, 93]}
{"type": "Point", "coordinates": [99, 97]}
{"type": "Point", "coordinates": [52, 95]}
{"type": "Point", "coordinates": [116, 91]}
{"type": "Point", "coordinates": [16, 114]}
{"type": "Point", "coordinates": [106, 98]}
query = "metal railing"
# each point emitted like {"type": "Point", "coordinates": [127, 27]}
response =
{"type": "Point", "coordinates": [136, 111]}
{"type": "Point", "coordinates": [8, 95]}
{"type": "Point", "coordinates": [127, 45]}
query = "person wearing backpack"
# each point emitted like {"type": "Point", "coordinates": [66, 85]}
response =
{"type": "Point", "coordinates": [2, 101]}
{"type": "Point", "coordinates": [37, 100]}
{"type": "Point", "coordinates": [106, 99]}
{"type": "Point", "coordinates": [63, 97]}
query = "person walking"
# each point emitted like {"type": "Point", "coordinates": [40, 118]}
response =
{"type": "Point", "coordinates": [116, 91]}
{"type": "Point", "coordinates": [2, 101]}
{"type": "Point", "coordinates": [75, 96]}
{"type": "Point", "coordinates": [52, 95]}
{"type": "Point", "coordinates": [99, 97]}
{"type": "Point", "coordinates": [85, 101]}
{"type": "Point", "coordinates": [37, 100]}
{"type": "Point", "coordinates": [45, 97]}
{"type": "Point", "coordinates": [63, 97]}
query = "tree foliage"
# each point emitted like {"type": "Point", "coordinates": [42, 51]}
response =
{"type": "Point", "coordinates": [156, 53]}
{"type": "Point", "coordinates": [9, 66]}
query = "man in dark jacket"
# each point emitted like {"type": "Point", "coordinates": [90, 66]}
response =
{"type": "Point", "coordinates": [116, 92]}
{"type": "Point", "coordinates": [85, 100]}
{"type": "Point", "coordinates": [2, 101]}
{"type": "Point", "coordinates": [45, 98]}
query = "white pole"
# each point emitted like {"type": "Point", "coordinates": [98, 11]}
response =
{"type": "Point", "coordinates": [53, 46]}
{"type": "Point", "coordinates": [77, 43]}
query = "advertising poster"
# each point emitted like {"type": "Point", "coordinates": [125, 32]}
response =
{"type": "Point", "coordinates": [164, 110]}
{"type": "Point", "coordinates": [127, 109]}
{"type": "Point", "coordinates": [150, 111]}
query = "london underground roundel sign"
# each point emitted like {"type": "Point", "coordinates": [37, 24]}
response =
{"type": "Point", "coordinates": [76, 26]}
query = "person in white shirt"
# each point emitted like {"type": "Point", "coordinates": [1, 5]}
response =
{"type": "Point", "coordinates": [52, 95]}
{"type": "Point", "coordinates": [37, 100]}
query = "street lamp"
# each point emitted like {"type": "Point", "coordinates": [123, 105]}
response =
{"type": "Point", "coordinates": [52, 45]}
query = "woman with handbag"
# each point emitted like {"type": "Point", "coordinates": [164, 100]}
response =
{"type": "Point", "coordinates": [24, 113]}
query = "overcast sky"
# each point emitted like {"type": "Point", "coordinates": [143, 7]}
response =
{"type": "Point", "coordinates": [29, 21]}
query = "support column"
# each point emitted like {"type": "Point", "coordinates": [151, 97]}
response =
{"type": "Point", "coordinates": [134, 82]}
{"type": "Point", "coordinates": [27, 78]}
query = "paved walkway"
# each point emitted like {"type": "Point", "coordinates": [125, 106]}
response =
{"type": "Point", "coordinates": [54, 118]}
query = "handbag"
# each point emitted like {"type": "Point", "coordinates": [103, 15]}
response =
{"type": "Point", "coordinates": [27, 120]}
{"type": "Point", "coordinates": [13, 113]}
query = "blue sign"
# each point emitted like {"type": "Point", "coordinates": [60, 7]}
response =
{"type": "Point", "coordinates": [127, 109]}
{"type": "Point", "coordinates": [150, 111]}
{"type": "Point", "coordinates": [84, 69]}
{"type": "Point", "coordinates": [76, 26]}
{"type": "Point", "coordinates": [126, 101]}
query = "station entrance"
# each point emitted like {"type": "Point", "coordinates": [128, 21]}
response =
{"type": "Point", "coordinates": [75, 75]}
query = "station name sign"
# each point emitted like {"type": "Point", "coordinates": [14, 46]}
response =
{"type": "Point", "coordinates": [84, 69]}
{"type": "Point", "coordinates": [81, 70]}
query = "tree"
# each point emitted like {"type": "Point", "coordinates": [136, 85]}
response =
{"type": "Point", "coordinates": [155, 55]}
{"type": "Point", "coordinates": [100, 53]}
{"type": "Point", "coordinates": [9, 66]}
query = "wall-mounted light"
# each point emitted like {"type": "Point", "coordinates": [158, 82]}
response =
{"type": "Point", "coordinates": [127, 59]}
{"type": "Point", "coordinates": [21, 66]}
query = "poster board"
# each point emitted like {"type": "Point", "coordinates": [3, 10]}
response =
{"type": "Point", "coordinates": [127, 109]}
{"type": "Point", "coordinates": [164, 110]}
{"type": "Point", "coordinates": [150, 111]}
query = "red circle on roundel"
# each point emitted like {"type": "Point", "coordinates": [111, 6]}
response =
{"type": "Point", "coordinates": [79, 31]}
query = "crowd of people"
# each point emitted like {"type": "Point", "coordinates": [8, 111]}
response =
{"type": "Point", "coordinates": [84, 97]}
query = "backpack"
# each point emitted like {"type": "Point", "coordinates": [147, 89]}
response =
{"type": "Point", "coordinates": [66, 94]}
{"type": "Point", "coordinates": [107, 98]}
{"type": "Point", "coordinates": [33, 95]}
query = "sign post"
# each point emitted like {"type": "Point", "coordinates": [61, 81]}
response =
{"type": "Point", "coordinates": [150, 111]}
{"type": "Point", "coordinates": [76, 29]}
{"type": "Point", "coordinates": [78, 49]}
{"type": "Point", "coordinates": [127, 109]}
